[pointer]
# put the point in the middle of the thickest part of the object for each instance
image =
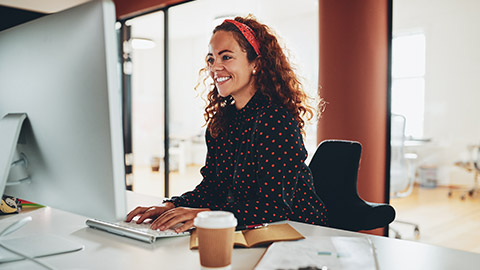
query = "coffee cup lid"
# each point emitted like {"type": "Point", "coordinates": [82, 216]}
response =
{"type": "Point", "coordinates": [215, 220]}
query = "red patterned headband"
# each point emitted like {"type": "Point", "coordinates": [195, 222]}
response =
{"type": "Point", "coordinates": [248, 33]}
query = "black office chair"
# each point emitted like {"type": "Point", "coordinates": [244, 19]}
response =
{"type": "Point", "coordinates": [335, 168]}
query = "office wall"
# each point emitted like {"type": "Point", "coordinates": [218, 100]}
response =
{"type": "Point", "coordinates": [452, 84]}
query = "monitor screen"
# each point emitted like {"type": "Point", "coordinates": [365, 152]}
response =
{"type": "Point", "coordinates": [61, 71]}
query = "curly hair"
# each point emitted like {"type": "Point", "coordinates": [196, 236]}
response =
{"type": "Point", "coordinates": [275, 78]}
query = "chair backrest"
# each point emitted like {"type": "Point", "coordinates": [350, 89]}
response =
{"type": "Point", "coordinates": [335, 167]}
{"type": "Point", "coordinates": [399, 174]}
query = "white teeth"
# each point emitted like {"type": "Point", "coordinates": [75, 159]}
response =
{"type": "Point", "coordinates": [222, 79]}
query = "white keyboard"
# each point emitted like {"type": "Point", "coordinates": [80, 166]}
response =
{"type": "Point", "coordinates": [133, 230]}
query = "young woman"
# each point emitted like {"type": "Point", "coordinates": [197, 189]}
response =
{"type": "Point", "coordinates": [255, 165]}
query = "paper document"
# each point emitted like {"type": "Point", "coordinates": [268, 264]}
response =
{"type": "Point", "coordinates": [345, 253]}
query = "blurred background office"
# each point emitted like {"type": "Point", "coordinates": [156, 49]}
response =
{"type": "Point", "coordinates": [435, 59]}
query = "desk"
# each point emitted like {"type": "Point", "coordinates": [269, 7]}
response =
{"type": "Point", "coordinates": [107, 251]}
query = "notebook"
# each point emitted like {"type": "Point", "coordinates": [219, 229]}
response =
{"type": "Point", "coordinates": [259, 237]}
{"type": "Point", "coordinates": [133, 230]}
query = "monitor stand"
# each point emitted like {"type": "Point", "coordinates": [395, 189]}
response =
{"type": "Point", "coordinates": [13, 170]}
{"type": "Point", "coordinates": [10, 128]}
{"type": "Point", "coordinates": [36, 246]}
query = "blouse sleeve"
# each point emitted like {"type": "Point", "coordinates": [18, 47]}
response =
{"type": "Point", "coordinates": [203, 196]}
{"type": "Point", "coordinates": [280, 156]}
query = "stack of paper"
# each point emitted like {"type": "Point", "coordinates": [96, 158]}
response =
{"type": "Point", "coordinates": [320, 253]}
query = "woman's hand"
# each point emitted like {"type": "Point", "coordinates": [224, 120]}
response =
{"type": "Point", "coordinates": [176, 215]}
{"type": "Point", "coordinates": [151, 212]}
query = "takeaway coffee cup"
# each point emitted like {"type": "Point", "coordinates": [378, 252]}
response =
{"type": "Point", "coordinates": [215, 230]}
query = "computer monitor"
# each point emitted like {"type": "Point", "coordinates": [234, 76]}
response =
{"type": "Point", "coordinates": [61, 74]}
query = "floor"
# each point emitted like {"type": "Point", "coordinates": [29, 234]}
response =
{"type": "Point", "coordinates": [442, 220]}
{"type": "Point", "coordinates": [151, 183]}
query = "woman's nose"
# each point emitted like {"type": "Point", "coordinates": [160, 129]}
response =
{"type": "Point", "coordinates": [216, 66]}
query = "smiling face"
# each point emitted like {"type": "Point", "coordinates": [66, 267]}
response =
{"type": "Point", "coordinates": [230, 69]}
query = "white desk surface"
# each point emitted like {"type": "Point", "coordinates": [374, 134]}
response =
{"type": "Point", "coordinates": [107, 251]}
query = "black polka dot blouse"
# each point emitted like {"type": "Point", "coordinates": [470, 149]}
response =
{"type": "Point", "coordinates": [256, 169]}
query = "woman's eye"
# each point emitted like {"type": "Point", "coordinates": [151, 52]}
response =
{"type": "Point", "coordinates": [210, 60]}
{"type": "Point", "coordinates": [226, 57]}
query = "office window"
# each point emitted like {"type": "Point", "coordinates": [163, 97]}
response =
{"type": "Point", "coordinates": [408, 81]}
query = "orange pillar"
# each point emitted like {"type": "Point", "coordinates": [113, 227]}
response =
{"type": "Point", "coordinates": [354, 38]}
